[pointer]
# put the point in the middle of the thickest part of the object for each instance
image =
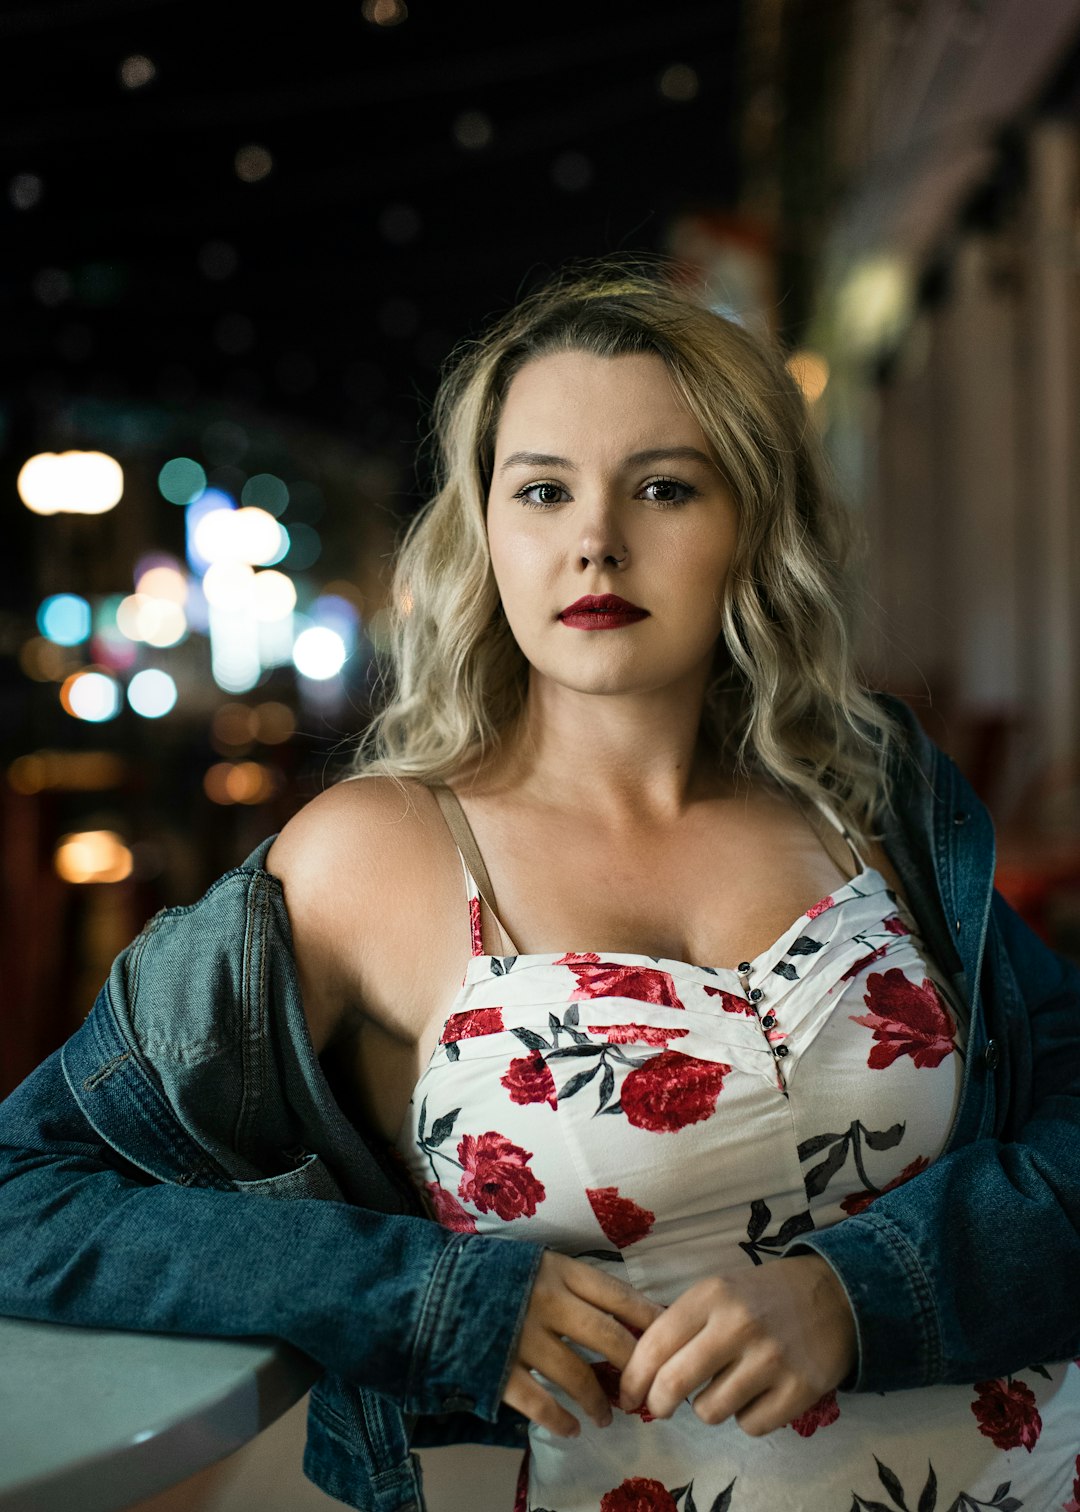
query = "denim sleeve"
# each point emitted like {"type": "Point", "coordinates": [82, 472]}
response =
{"type": "Point", "coordinates": [394, 1302]}
{"type": "Point", "coordinates": [971, 1269]}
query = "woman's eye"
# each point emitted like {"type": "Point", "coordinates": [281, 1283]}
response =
{"type": "Point", "coordinates": [669, 491]}
{"type": "Point", "coordinates": [546, 494]}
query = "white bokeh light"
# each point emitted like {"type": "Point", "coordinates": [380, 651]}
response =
{"type": "Point", "coordinates": [275, 596]}
{"type": "Point", "coordinates": [319, 653]}
{"type": "Point", "coordinates": [239, 535]}
{"type": "Point", "coordinates": [152, 693]}
{"type": "Point", "coordinates": [157, 621]}
{"type": "Point", "coordinates": [94, 696]}
{"type": "Point", "coordinates": [71, 482]}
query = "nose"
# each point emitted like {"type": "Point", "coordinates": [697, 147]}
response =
{"type": "Point", "coordinates": [600, 541]}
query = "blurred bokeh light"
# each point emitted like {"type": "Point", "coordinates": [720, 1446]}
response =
{"type": "Point", "coordinates": [92, 856]}
{"type": "Point", "coordinates": [71, 482]}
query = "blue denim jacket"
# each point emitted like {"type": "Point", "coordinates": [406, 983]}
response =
{"type": "Point", "coordinates": [193, 1082]}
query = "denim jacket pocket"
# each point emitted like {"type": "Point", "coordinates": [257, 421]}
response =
{"type": "Point", "coordinates": [311, 1178]}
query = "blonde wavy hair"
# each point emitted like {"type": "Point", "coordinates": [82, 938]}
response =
{"type": "Point", "coordinates": [784, 701]}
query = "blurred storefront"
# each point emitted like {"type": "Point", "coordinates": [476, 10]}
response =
{"type": "Point", "coordinates": [931, 220]}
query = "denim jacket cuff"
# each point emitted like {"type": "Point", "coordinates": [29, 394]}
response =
{"type": "Point", "coordinates": [469, 1325]}
{"type": "Point", "coordinates": [890, 1298]}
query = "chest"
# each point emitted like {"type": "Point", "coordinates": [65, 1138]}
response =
{"type": "Point", "coordinates": [714, 893]}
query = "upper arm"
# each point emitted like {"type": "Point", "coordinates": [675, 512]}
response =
{"type": "Point", "coordinates": [339, 862]}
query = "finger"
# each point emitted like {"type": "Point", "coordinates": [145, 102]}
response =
{"type": "Point", "coordinates": [565, 1368]}
{"type": "Point", "coordinates": [663, 1338]}
{"type": "Point", "coordinates": [749, 1377]}
{"type": "Point", "coordinates": [610, 1294]}
{"type": "Point", "coordinates": [598, 1331]}
{"type": "Point", "coordinates": [689, 1369]}
{"type": "Point", "coordinates": [771, 1410]}
{"type": "Point", "coordinates": [536, 1403]}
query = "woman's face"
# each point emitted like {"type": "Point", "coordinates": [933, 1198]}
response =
{"type": "Point", "coordinates": [598, 459]}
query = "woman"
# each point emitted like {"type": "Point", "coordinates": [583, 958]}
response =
{"type": "Point", "coordinates": [738, 1011]}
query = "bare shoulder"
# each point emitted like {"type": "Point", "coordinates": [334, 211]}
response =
{"type": "Point", "coordinates": [355, 863]}
{"type": "Point", "coordinates": [372, 807]}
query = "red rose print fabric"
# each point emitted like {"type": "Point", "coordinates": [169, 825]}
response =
{"type": "Point", "coordinates": [476, 928]}
{"type": "Point", "coordinates": [461, 1026]}
{"type": "Point", "coordinates": [825, 1410]}
{"type": "Point", "coordinates": [596, 978]}
{"type": "Point", "coordinates": [639, 1494]}
{"type": "Point", "coordinates": [621, 1219]}
{"type": "Point", "coordinates": [497, 1178]}
{"type": "Point", "coordinates": [1007, 1413]}
{"type": "Point", "coordinates": [906, 1020]}
{"type": "Point", "coordinates": [732, 1002]}
{"type": "Point", "coordinates": [637, 1034]}
{"type": "Point", "coordinates": [448, 1210]}
{"type": "Point", "coordinates": [858, 1202]}
{"type": "Point", "coordinates": [529, 1080]}
{"type": "Point", "coordinates": [610, 1381]}
{"type": "Point", "coordinates": [858, 968]}
{"type": "Point", "coordinates": [665, 1122]}
{"type": "Point", "coordinates": [672, 1090]}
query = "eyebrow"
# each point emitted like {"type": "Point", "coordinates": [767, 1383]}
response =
{"type": "Point", "coordinates": [635, 459]}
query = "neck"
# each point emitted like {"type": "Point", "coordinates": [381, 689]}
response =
{"type": "Point", "coordinates": [623, 762]}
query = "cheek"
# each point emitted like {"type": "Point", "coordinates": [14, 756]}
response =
{"type": "Point", "coordinates": [518, 557]}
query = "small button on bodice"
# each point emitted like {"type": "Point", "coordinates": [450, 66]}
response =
{"type": "Point", "coordinates": [756, 994]}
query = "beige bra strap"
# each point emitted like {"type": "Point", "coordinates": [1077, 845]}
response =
{"type": "Point", "coordinates": [465, 841]}
{"type": "Point", "coordinates": [860, 864]}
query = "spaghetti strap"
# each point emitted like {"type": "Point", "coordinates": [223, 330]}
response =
{"type": "Point", "coordinates": [860, 864]}
{"type": "Point", "coordinates": [471, 860]}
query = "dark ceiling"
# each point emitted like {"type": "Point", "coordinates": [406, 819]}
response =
{"type": "Point", "coordinates": [422, 174]}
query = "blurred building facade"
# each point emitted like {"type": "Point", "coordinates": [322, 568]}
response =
{"type": "Point", "coordinates": [930, 204]}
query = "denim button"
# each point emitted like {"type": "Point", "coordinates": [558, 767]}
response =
{"type": "Point", "coordinates": [958, 926]}
{"type": "Point", "coordinates": [756, 994]}
{"type": "Point", "coordinates": [991, 1055]}
{"type": "Point", "coordinates": [458, 1404]}
{"type": "Point", "coordinates": [961, 818]}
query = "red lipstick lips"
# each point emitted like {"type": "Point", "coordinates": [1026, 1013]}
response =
{"type": "Point", "coordinates": [605, 611]}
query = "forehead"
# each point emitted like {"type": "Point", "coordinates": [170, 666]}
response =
{"type": "Point", "coordinates": [574, 392]}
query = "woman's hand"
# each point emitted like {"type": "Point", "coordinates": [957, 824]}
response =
{"type": "Point", "coordinates": [765, 1344]}
{"type": "Point", "coordinates": [574, 1301]}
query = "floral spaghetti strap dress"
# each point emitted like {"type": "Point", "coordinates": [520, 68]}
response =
{"type": "Point", "coordinates": [667, 1122]}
